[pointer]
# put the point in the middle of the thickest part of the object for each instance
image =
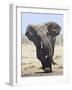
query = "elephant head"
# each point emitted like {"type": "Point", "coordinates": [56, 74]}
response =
{"type": "Point", "coordinates": [42, 35]}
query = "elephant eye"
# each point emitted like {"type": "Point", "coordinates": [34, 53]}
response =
{"type": "Point", "coordinates": [32, 32]}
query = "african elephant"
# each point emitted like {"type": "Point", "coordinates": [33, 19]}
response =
{"type": "Point", "coordinates": [44, 38]}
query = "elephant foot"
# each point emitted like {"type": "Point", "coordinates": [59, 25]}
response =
{"type": "Point", "coordinates": [47, 70]}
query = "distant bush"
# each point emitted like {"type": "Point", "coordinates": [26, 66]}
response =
{"type": "Point", "coordinates": [25, 40]}
{"type": "Point", "coordinates": [59, 40]}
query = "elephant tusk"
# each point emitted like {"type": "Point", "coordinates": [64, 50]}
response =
{"type": "Point", "coordinates": [50, 49]}
{"type": "Point", "coordinates": [41, 44]}
{"type": "Point", "coordinates": [46, 56]}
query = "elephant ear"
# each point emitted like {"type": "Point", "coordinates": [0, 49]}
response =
{"type": "Point", "coordinates": [53, 28]}
{"type": "Point", "coordinates": [30, 32]}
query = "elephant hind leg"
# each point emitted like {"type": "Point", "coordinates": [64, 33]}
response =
{"type": "Point", "coordinates": [54, 63]}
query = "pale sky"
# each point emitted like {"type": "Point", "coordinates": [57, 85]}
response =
{"type": "Point", "coordinates": [37, 18]}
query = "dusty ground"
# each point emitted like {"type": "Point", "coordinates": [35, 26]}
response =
{"type": "Point", "coordinates": [31, 66]}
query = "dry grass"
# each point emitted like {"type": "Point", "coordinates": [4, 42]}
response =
{"type": "Point", "coordinates": [31, 66]}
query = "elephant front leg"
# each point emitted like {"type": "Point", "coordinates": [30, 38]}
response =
{"type": "Point", "coordinates": [44, 59]}
{"type": "Point", "coordinates": [46, 64]}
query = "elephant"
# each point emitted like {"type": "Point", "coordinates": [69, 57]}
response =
{"type": "Point", "coordinates": [44, 37]}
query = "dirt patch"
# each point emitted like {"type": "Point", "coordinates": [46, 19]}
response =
{"type": "Point", "coordinates": [31, 66]}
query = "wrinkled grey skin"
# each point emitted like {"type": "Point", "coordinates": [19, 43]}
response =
{"type": "Point", "coordinates": [44, 37]}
